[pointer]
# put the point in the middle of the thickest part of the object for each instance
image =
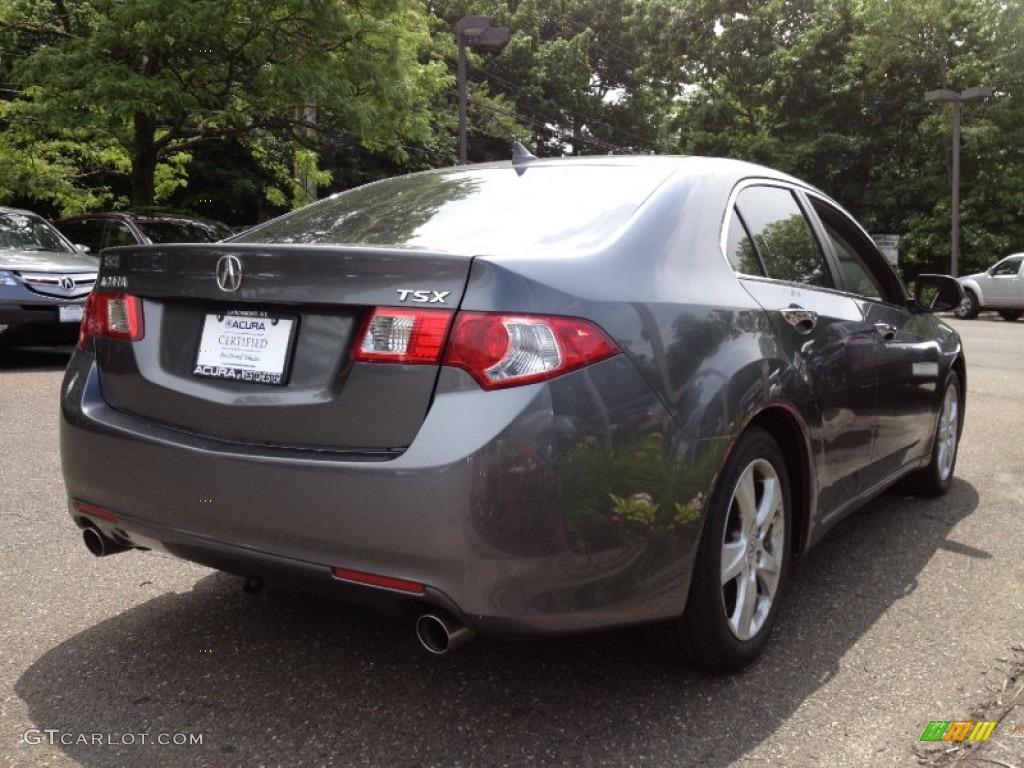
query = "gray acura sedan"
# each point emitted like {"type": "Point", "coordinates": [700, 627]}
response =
{"type": "Point", "coordinates": [533, 397]}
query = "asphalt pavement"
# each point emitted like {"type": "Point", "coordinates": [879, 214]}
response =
{"type": "Point", "coordinates": [911, 611]}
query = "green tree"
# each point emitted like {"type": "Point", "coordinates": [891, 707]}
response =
{"type": "Point", "coordinates": [148, 80]}
{"type": "Point", "coordinates": [902, 53]}
{"type": "Point", "coordinates": [568, 81]}
{"type": "Point", "coordinates": [833, 91]}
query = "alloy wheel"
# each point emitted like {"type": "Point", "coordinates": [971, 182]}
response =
{"type": "Point", "coordinates": [752, 549]}
{"type": "Point", "coordinates": [949, 424]}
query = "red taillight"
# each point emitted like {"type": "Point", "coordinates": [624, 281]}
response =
{"type": "Point", "coordinates": [496, 350]}
{"type": "Point", "coordinates": [403, 336]}
{"type": "Point", "coordinates": [111, 316]}
{"type": "Point", "coordinates": [510, 350]}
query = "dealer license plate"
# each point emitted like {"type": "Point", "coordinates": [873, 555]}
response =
{"type": "Point", "coordinates": [245, 346]}
{"type": "Point", "coordinates": [72, 313]}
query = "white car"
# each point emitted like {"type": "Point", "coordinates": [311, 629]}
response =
{"type": "Point", "coordinates": [1001, 288]}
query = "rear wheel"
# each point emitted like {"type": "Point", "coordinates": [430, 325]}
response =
{"type": "Point", "coordinates": [741, 564]}
{"type": "Point", "coordinates": [1010, 315]}
{"type": "Point", "coordinates": [935, 479]}
{"type": "Point", "coordinates": [969, 308]}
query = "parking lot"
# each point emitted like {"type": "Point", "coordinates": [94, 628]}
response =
{"type": "Point", "coordinates": [910, 611]}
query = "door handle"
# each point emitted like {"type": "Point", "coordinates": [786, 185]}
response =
{"type": "Point", "coordinates": [802, 320]}
{"type": "Point", "coordinates": [886, 331]}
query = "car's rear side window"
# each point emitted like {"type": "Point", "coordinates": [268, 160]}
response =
{"type": "Point", "coordinates": [782, 236]}
{"type": "Point", "coordinates": [740, 249]}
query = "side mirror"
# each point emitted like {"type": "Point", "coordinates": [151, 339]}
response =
{"type": "Point", "coordinates": [83, 248]}
{"type": "Point", "coordinates": [937, 293]}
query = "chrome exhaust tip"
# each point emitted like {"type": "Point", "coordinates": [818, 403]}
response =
{"type": "Point", "coordinates": [440, 634]}
{"type": "Point", "coordinates": [100, 545]}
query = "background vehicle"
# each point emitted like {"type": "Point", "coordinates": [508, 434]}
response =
{"type": "Point", "coordinates": [539, 397]}
{"type": "Point", "coordinates": [43, 281]}
{"type": "Point", "coordinates": [108, 230]}
{"type": "Point", "coordinates": [1000, 287]}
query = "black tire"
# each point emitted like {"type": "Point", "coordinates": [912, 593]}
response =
{"type": "Point", "coordinates": [935, 479]}
{"type": "Point", "coordinates": [714, 633]}
{"type": "Point", "coordinates": [1009, 315]}
{"type": "Point", "coordinates": [969, 308]}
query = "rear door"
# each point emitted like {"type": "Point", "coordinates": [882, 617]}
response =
{"type": "Point", "coordinates": [254, 343]}
{"type": "Point", "coordinates": [833, 349]}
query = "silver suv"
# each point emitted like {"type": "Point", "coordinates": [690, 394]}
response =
{"type": "Point", "coordinates": [1000, 287]}
{"type": "Point", "coordinates": [44, 280]}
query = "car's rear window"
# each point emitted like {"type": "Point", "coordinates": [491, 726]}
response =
{"type": "Point", "coordinates": [498, 210]}
{"type": "Point", "coordinates": [166, 231]}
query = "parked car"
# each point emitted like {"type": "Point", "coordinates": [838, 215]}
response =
{"type": "Point", "coordinates": [1000, 287]}
{"type": "Point", "coordinates": [43, 282]}
{"type": "Point", "coordinates": [107, 230]}
{"type": "Point", "coordinates": [534, 397]}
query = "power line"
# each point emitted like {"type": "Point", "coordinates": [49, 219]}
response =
{"type": "Point", "coordinates": [585, 118]}
{"type": "Point", "coordinates": [580, 27]}
{"type": "Point", "coordinates": [548, 125]}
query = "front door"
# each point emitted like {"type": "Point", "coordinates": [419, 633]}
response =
{"type": "Point", "coordinates": [834, 349]}
{"type": "Point", "coordinates": [906, 361]}
{"type": "Point", "coordinates": [1004, 286]}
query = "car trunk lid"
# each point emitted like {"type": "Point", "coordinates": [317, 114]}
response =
{"type": "Point", "coordinates": [253, 343]}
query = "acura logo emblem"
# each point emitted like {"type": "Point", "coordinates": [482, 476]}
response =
{"type": "Point", "coordinates": [229, 273]}
{"type": "Point", "coordinates": [67, 283]}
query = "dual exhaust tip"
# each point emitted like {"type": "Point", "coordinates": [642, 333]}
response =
{"type": "Point", "coordinates": [437, 633]}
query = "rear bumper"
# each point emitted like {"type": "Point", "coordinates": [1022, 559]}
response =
{"type": "Point", "coordinates": [474, 508]}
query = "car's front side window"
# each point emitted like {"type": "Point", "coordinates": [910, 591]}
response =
{"type": "Point", "coordinates": [118, 233]}
{"type": "Point", "coordinates": [857, 257]}
{"type": "Point", "coordinates": [1007, 267]}
{"type": "Point", "coordinates": [85, 232]}
{"type": "Point", "coordinates": [782, 236]}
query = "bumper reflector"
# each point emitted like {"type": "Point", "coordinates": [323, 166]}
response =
{"type": "Point", "coordinates": [374, 580]}
{"type": "Point", "coordinates": [93, 511]}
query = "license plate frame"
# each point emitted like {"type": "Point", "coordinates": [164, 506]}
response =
{"type": "Point", "coordinates": [251, 346]}
{"type": "Point", "coordinates": [70, 313]}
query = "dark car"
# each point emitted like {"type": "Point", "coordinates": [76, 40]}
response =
{"type": "Point", "coordinates": [108, 230]}
{"type": "Point", "coordinates": [44, 280]}
{"type": "Point", "coordinates": [517, 398]}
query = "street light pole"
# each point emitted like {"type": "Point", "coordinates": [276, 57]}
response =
{"type": "Point", "coordinates": [462, 99]}
{"type": "Point", "coordinates": [954, 252]}
{"type": "Point", "coordinates": [478, 32]}
{"type": "Point", "coordinates": [957, 98]}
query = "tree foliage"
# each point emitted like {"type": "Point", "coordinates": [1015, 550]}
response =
{"type": "Point", "coordinates": [151, 79]}
{"type": "Point", "coordinates": [185, 96]}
